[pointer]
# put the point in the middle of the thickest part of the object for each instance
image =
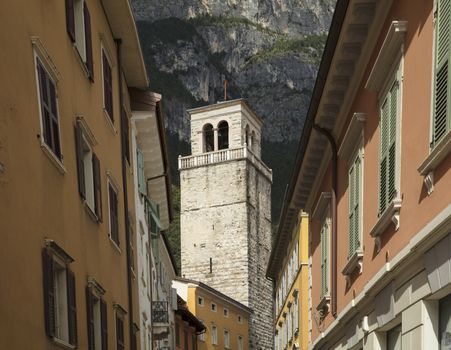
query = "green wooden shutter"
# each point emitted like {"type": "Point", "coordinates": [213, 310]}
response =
{"type": "Point", "coordinates": [351, 210]}
{"type": "Point", "coordinates": [141, 176]}
{"type": "Point", "coordinates": [356, 207]}
{"type": "Point", "coordinates": [383, 166]}
{"type": "Point", "coordinates": [324, 260]}
{"type": "Point", "coordinates": [441, 119]}
{"type": "Point", "coordinates": [392, 152]}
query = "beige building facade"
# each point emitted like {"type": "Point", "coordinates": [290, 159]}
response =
{"type": "Point", "coordinates": [372, 172]}
{"type": "Point", "coordinates": [66, 176]}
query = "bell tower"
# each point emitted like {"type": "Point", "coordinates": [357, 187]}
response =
{"type": "Point", "coordinates": [225, 220]}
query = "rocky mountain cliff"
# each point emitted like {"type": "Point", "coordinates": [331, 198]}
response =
{"type": "Point", "coordinates": [268, 50]}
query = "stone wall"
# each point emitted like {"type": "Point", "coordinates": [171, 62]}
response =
{"type": "Point", "coordinates": [225, 216]}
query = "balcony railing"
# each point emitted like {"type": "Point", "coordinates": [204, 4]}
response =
{"type": "Point", "coordinates": [160, 312]}
{"type": "Point", "coordinates": [224, 155]}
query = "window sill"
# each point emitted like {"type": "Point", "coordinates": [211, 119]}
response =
{"type": "Point", "coordinates": [324, 306]}
{"type": "Point", "coordinates": [53, 158]}
{"type": "Point", "coordinates": [114, 244]}
{"type": "Point", "coordinates": [109, 122]}
{"type": "Point", "coordinates": [90, 212]}
{"type": "Point", "coordinates": [391, 215]}
{"type": "Point", "coordinates": [433, 160]}
{"type": "Point", "coordinates": [354, 262]}
{"type": "Point", "coordinates": [63, 343]}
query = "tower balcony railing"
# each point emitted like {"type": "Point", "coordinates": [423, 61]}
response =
{"type": "Point", "coordinates": [224, 155]}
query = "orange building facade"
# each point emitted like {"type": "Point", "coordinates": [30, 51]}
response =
{"type": "Point", "coordinates": [372, 172]}
{"type": "Point", "coordinates": [66, 193]}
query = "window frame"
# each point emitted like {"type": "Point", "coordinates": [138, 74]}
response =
{"type": "Point", "coordinates": [56, 271]}
{"type": "Point", "coordinates": [202, 303]}
{"type": "Point", "coordinates": [214, 334]}
{"type": "Point", "coordinates": [111, 184]}
{"type": "Point", "coordinates": [396, 74]}
{"type": "Point", "coordinates": [325, 289]}
{"type": "Point", "coordinates": [213, 307]}
{"type": "Point", "coordinates": [104, 53]}
{"type": "Point", "coordinates": [42, 58]}
{"type": "Point", "coordinates": [226, 338]}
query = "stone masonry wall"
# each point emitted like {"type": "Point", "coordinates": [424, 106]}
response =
{"type": "Point", "coordinates": [259, 231]}
{"type": "Point", "coordinates": [225, 216]}
{"type": "Point", "coordinates": [213, 224]}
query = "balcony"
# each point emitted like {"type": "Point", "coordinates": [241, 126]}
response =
{"type": "Point", "coordinates": [160, 313]}
{"type": "Point", "coordinates": [222, 156]}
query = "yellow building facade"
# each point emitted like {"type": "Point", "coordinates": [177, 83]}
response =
{"type": "Point", "coordinates": [226, 320]}
{"type": "Point", "coordinates": [288, 268]}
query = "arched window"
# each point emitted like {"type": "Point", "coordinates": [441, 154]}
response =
{"type": "Point", "coordinates": [209, 140]}
{"type": "Point", "coordinates": [252, 142]}
{"type": "Point", "coordinates": [223, 135]}
{"type": "Point", "coordinates": [246, 135]}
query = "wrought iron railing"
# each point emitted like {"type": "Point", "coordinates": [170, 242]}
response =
{"type": "Point", "coordinates": [160, 312]}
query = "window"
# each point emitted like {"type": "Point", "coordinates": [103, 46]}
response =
{"type": "Point", "coordinates": [125, 134]}
{"type": "Point", "coordinates": [49, 110]}
{"type": "Point", "coordinates": [226, 339]}
{"type": "Point", "coordinates": [142, 187]}
{"type": "Point", "coordinates": [202, 335]}
{"type": "Point", "coordinates": [445, 322]}
{"type": "Point", "coordinates": [441, 113]}
{"type": "Point", "coordinates": [200, 301]}
{"type": "Point", "coordinates": [240, 342]}
{"type": "Point", "coordinates": [120, 344]}
{"type": "Point", "coordinates": [88, 169]}
{"type": "Point", "coordinates": [240, 319]}
{"type": "Point", "coordinates": [97, 320]}
{"type": "Point", "coordinates": [226, 312]}
{"type": "Point", "coordinates": [354, 217]}
{"type": "Point", "coordinates": [295, 315]}
{"type": "Point", "coordinates": [209, 142]}
{"type": "Point", "coordinates": [186, 340]}
{"type": "Point", "coordinates": [193, 342]}
{"type": "Point", "coordinates": [388, 166]}
{"type": "Point", "coordinates": [113, 210]}
{"type": "Point", "coordinates": [214, 335]}
{"type": "Point", "coordinates": [78, 25]}
{"type": "Point", "coordinates": [325, 258]}
{"type": "Point", "coordinates": [177, 334]}
{"type": "Point", "coordinates": [223, 135]}
{"type": "Point", "coordinates": [59, 295]}
{"type": "Point", "coordinates": [213, 307]}
{"type": "Point", "coordinates": [107, 86]}
{"type": "Point", "coordinates": [394, 338]}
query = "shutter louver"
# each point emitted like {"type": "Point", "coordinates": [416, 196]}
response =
{"type": "Point", "coordinates": [356, 205]}
{"type": "Point", "coordinates": [88, 42]}
{"type": "Point", "coordinates": [384, 125]}
{"type": "Point", "coordinates": [141, 175]}
{"type": "Point", "coordinates": [49, 293]}
{"type": "Point", "coordinates": [90, 319]}
{"type": "Point", "coordinates": [442, 87]}
{"type": "Point", "coordinates": [107, 87]}
{"type": "Point", "coordinates": [71, 307]}
{"type": "Point", "coordinates": [351, 210]}
{"type": "Point", "coordinates": [97, 187]}
{"type": "Point", "coordinates": [392, 150]}
{"type": "Point", "coordinates": [70, 19]}
{"type": "Point", "coordinates": [80, 165]}
{"type": "Point", "coordinates": [104, 324]}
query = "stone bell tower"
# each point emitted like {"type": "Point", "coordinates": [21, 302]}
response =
{"type": "Point", "coordinates": [225, 220]}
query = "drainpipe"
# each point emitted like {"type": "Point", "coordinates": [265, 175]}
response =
{"type": "Point", "coordinates": [333, 145]}
{"type": "Point", "coordinates": [124, 186]}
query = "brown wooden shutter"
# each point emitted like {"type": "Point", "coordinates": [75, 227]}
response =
{"type": "Point", "coordinates": [71, 306]}
{"type": "Point", "coordinates": [107, 86]}
{"type": "Point", "coordinates": [80, 165]}
{"type": "Point", "coordinates": [125, 134]}
{"type": "Point", "coordinates": [97, 186]}
{"type": "Point", "coordinates": [70, 19]}
{"type": "Point", "coordinates": [90, 318]}
{"type": "Point", "coordinates": [49, 294]}
{"type": "Point", "coordinates": [88, 41]}
{"type": "Point", "coordinates": [104, 324]}
{"type": "Point", "coordinates": [119, 333]}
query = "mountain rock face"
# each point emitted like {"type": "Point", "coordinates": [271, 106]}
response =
{"type": "Point", "coordinates": [268, 51]}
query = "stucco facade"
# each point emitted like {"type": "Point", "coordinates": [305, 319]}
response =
{"type": "Point", "coordinates": [221, 315]}
{"type": "Point", "coordinates": [378, 282]}
{"type": "Point", "coordinates": [290, 274]}
{"type": "Point", "coordinates": [45, 222]}
{"type": "Point", "coordinates": [225, 210]}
